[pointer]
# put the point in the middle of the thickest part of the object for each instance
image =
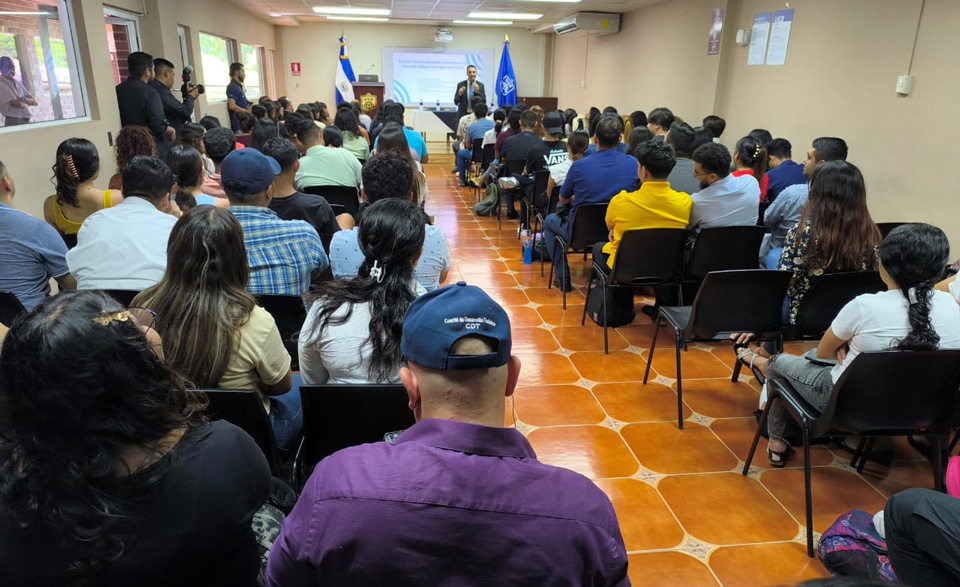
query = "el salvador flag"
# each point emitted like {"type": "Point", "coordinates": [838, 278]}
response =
{"type": "Point", "coordinates": [345, 75]}
{"type": "Point", "coordinates": [506, 82]}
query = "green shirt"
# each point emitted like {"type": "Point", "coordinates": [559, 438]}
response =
{"type": "Point", "coordinates": [357, 145]}
{"type": "Point", "coordinates": [328, 166]}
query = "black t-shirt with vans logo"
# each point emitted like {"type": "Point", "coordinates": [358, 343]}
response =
{"type": "Point", "coordinates": [546, 155]}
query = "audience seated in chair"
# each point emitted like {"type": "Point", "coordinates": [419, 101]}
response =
{"type": "Point", "coordinates": [392, 138]}
{"type": "Point", "coordinates": [577, 145]}
{"type": "Point", "coordinates": [350, 334]}
{"type": "Point", "coordinates": [284, 255]}
{"type": "Point", "coordinates": [750, 158]}
{"type": "Point", "coordinates": [910, 316]}
{"type": "Point", "coordinates": [76, 168]}
{"type": "Point", "coordinates": [517, 148]}
{"type": "Point", "coordinates": [592, 180]}
{"type": "Point", "coordinates": [513, 128]}
{"type": "Point", "coordinates": [724, 199]}
{"type": "Point", "coordinates": [353, 141]}
{"type": "Point", "coordinates": [921, 531]}
{"type": "Point", "coordinates": [132, 140]}
{"type": "Point", "coordinates": [449, 484]}
{"type": "Point", "coordinates": [681, 137]}
{"type": "Point", "coordinates": [659, 122]}
{"type": "Point", "coordinates": [715, 125]}
{"type": "Point", "coordinates": [475, 130]}
{"type": "Point", "coordinates": [552, 150]}
{"type": "Point", "coordinates": [783, 171]}
{"type": "Point", "coordinates": [785, 211]}
{"type": "Point", "coordinates": [31, 251]}
{"type": "Point", "coordinates": [321, 164]}
{"type": "Point", "coordinates": [145, 490]}
{"type": "Point", "coordinates": [393, 112]}
{"type": "Point", "coordinates": [125, 247]}
{"type": "Point", "coordinates": [290, 204]}
{"type": "Point", "coordinates": [218, 142]}
{"type": "Point", "coordinates": [388, 175]}
{"type": "Point", "coordinates": [213, 332]}
{"type": "Point", "coordinates": [186, 163]}
{"type": "Point", "coordinates": [463, 123]}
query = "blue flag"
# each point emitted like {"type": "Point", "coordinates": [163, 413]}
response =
{"type": "Point", "coordinates": [506, 82]}
{"type": "Point", "coordinates": [345, 75]}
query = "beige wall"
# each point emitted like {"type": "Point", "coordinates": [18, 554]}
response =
{"type": "Point", "coordinates": [315, 46]}
{"type": "Point", "coordinates": [29, 152]}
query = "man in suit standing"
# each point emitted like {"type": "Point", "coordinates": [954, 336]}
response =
{"type": "Point", "coordinates": [467, 90]}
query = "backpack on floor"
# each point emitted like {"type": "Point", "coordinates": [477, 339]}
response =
{"type": "Point", "coordinates": [488, 207]}
{"type": "Point", "coordinates": [619, 306]}
{"type": "Point", "coordinates": [853, 547]}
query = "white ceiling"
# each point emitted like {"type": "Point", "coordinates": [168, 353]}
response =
{"type": "Point", "coordinates": [437, 11]}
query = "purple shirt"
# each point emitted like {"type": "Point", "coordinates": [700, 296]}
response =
{"type": "Point", "coordinates": [449, 504]}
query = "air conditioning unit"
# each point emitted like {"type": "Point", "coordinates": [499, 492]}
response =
{"type": "Point", "coordinates": [584, 24]}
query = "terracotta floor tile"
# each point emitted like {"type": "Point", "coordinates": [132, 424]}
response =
{"type": "Point", "coordinates": [645, 521]}
{"type": "Point", "coordinates": [522, 316]}
{"type": "Point", "coordinates": [491, 280]}
{"type": "Point", "coordinates": [615, 367]}
{"type": "Point", "coordinates": [765, 564]}
{"type": "Point", "coordinates": [640, 332]}
{"type": "Point", "coordinates": [668, 569]}
{"type": "Point", "coordinates": [664, 448]}
{"type": "Point", "coordinates": [635, 402]}
{"type": "Point", "coordinates": [532, 278]}
{"type": "Point", "coordinates": [478, 266]}
{"type": "Point", "coordinates": [552, 296]}
{"type": "Point", "coordinates": [720, 398]}
{"type": "Point", "coordinates": [899, 475]}
{"type": "Point", "coordinates": [470, 243]}
{"type": "Point", "coordinates": [594, 451]}
{"type": "Point", "coordinates": [533, 340]}
{"type": "Point", "coordinates": [737, 434]}
{"type": "Point", "coordinates": [835, 491]}
{"type": "Point", "coordinates": [726, 508]}
{"type": "Point", "coordinates": [696, 364]}
{"type": "Point", "coordinates": [555, 315]}
{"type": "Point", "coordinates": [546, 369]}
{"type": "Point", "coordinates": [557, 405]}
{"type": "Point", "coordinates": [588, 338]}
{"type": "Point", "coordinates": [507, 296]}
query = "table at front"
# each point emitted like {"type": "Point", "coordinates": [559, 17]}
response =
{"type": "Point", "coordinates": [433, 122]}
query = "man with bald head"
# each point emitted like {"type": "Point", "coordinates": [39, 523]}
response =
{"type": "Point", "coordinates": [457, 499]}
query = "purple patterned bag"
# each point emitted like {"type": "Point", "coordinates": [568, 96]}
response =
{"type": "Point", "coordinates": [852, 547]}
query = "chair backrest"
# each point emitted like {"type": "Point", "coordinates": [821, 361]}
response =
{"type": "Point", "coordinates": [339, 416]}
{"type": "Point", "coordinates": [540, 180]}
{"type": "Point", "coordinates": [588, 226]}
{"type": "Point", "coordinates": [515, 166]}
{"type": "Point", "coordinates": [554, 200]}
{"type": "Point", "coordinates": [244, 408]}
{"type": "Point", "coordinates": [10, 308]}
{"type": "Point", "coordinates": [747, 300]}
{"type": "Point", "coordinates": [827, 295]}
{"type": "Point", "coordinates": [476, 153]}
{"type": "Point", "coordinates": [891, 392]}
{"type": "Point", "coordinates": [289, 313]}
{"type": "Point", "coordinates": [488, 153]}
{"type": "Point", "coordinates": [337, 195]}
{"type": "Point", "coordinates": [124, 296]}
{"type": "Point", "coordinates": [886, 227]}
{"type": "Point", "coordinates": [724, 248]}
{"type": "Point", "coordinates": [649, 255]}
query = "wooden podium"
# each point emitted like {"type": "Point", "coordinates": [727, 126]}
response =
{"type": "Point", "coordinates": [370, 95]}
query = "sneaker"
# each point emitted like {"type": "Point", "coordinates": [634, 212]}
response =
{"type": "Point", "coordinates": [512, 215]}
{"type": "Point", "coordinates": [455, 170]}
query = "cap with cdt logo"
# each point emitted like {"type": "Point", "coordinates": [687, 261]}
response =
{"type": "Point", "coordinates": [438, 319]}
{"type": "Point", "coordinates": [553, 123]}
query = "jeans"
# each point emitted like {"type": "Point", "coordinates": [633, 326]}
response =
{"type": "Point", "coordinates": [921, 528]}
{"type": "Point", "coordinates": [463, 162]}
{"type": "Point", "coordinates": [773, 257]}
{"type": "Point", "coordinates": [553, 226]}
{"type": "Point", "coordinates": [812, 381]}
{"type": "Point", "coordinates": [286, 418]}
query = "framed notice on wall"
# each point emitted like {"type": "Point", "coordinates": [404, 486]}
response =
{"type": "Point", "coordinates": [758, 40]}
{"type": "Point", "coordinates": [779, 37]}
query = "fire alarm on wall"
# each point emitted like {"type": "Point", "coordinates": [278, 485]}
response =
{"type": "Point", "coordinates": [743, 37]}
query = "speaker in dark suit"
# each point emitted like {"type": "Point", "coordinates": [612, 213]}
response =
{"type": "Point", "coordinates": [467, 90]}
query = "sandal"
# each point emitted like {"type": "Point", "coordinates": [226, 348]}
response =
{"type": "Point", "coordinates": [742, 351]}
{"type": "Point", "coordinates": [778, 459]}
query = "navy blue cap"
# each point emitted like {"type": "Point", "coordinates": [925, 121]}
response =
{"type": "Point", "coordinates": [438, 319]}
{"type": "Point", "coordinates": [247, 172]}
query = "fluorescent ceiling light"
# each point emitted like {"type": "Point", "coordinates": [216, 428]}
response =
{"type": "Point", "coordinates": [552, 1]}
{"type": "Point", "coordinates": [485, 22]}
{"type": "Point", "coordinates": [22, 13]}
{"type": "Point", "coordinates": [506, 15]}
{"type": "Point", "coordinates": [360, 18]}
{"type": "Point", "coordinates": [351, 11]}
{"type": "Point", "coordinates": [275, 14]}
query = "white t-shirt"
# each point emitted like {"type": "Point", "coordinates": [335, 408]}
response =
{"type": "Point", "coordinates": [954, 289]}
{"type": "Point", "coordinates": [874, 322]}
{"type": "Point", "coordinates": [559, 171]}
{"type": "Point", "coordinates": [490, 137]}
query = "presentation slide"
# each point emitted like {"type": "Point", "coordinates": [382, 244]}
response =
{"type": "Point", "coordinates": [412, 75]}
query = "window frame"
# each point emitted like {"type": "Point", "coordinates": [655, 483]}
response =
{"type": "Point", "coordinates": [232, 57]}
{"type": "Point", "coordinates": [260, 65]}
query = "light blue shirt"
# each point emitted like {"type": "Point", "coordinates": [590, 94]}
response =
{"type": "Point", "coordinates": [783, 214]}
{"type": "Point", "coordinates": [414, 141]}
{"type": "Point", "coordinates": [477, 130]}
{"type": "Point", "coordinates": [31, 252]}
{"type": "Point", "coordinates": [346, 257]}
{"type": "Point", "coordinates": [731, 201]}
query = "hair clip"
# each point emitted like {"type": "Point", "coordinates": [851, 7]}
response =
{"type": "Point", "coordinates": [912, 295]}
{"type": "Point", "coordinates": [376, 272]}
{"type": "Point", "coordinates": [71, 167]}
{"type": "Point", "coordinates": [107, 319]}
{"type": "Point", "coordinates": [756, 152]}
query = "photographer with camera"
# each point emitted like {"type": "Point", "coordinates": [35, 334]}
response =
{"type": "Point", "coordinates": [139, 105]}
{"type": "Point", "coordinates": [177, 113]}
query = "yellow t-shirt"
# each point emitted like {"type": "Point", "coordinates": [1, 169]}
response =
{"type": "Point", "coordinates": [654, 205]}
{"type": "Point", "coordinates": [260, 356]}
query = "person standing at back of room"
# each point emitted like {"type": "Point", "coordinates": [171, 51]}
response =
{"type": "Point", "coordinates": [236, 95]}
{"type": "Point", "coordinates": [140, 105]}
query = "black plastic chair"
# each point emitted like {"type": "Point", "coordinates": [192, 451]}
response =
{"type": "Point", "coordinates": [486, 159]}
{"type": "Point", "coordinates": [542, 214]}
{"type": "Point", "coordinates": [10, 308]}
{"type": "Point", "coordinates": [339, 416]}
{"type": "Point", "coordinates": [886, 393]}
{"type": "Point", "coordinates": [652, 256]}
{"type": "Point", "coordinates": [587, 226]}
{"type": "Point", "coordinates": [289, 313]}
{"type": "Point", "coordinates": [337, 195]}
{"type": "Point", "coordinates": [540, 180]}
{"type": "Point", "coordinates": [511, 168]}
{"type": "Point", "coordinates": [827, 295]}
{"type": "Point", "coordinates": [886, 227]}
{"type": "Point", "coordinates": [244, 408]}
{"type": "Point", "coordinates": [724, 248]}
{"type": "Point", "coordinates": [728, 301]}
{"type": "Point", "coordinates": [124, 296]}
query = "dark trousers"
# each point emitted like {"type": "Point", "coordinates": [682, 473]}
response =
{"type": "Point", "coordinates": [922, 529]}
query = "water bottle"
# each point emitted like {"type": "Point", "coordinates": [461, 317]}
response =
{"type": "Point", "coordinates": [438, 104]}
{"type": "Point", "coordinates": [421, 103]}
{"type": "Point", "coordinates": [527, 251]}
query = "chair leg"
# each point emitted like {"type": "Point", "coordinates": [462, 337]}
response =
{"type": "Point", "coordinates": [679, 341]}
{"type": "Point", "coordinates": [606, 327]}
{"type": "Point", "coordinates": [858, 452]}
{"type": "Point", "coordinates": [653, 347]}
{"type": "Point", "coordinates": [866, 452]}
{"type": "Point", "coordinates": [953, 443]}
{"type": "Point", "coordinates": [736, 370]}
{"type": "Point", "coordinates": [807, 489]}
{"type": "Point", "coordinates": [583, 318]}
{"type": "Point", "coordinates": [937, 462]}
{"type": "Point", "coordinates": [756, 437]}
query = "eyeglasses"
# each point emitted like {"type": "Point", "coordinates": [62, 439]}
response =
{"type": "Point", "coordinates": [698, 175]}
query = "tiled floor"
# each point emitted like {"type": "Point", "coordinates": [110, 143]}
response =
{"type": "Point", "coordinates": [687, 515]}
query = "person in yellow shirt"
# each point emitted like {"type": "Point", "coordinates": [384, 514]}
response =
{"type": "Point", "coordinates": [654, 205]}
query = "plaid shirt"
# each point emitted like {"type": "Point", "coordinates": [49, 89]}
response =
{"type": "Point", "coordinates": [283, 254]}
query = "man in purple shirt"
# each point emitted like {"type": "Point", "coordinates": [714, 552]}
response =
{"type": "Point", "coordinates": [458, 499]}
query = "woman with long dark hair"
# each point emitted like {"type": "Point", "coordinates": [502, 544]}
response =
{"type": "Point", "coordinates": [909, 316]}
{"type": "Point", "coordinates": [110, 473]}
{"type": "Point", "coordinates": [578, 144]}
{"type": "Point", "coordinates": [132, 140]}
{"type": "Point", "coordinates": [750, 158]}
{"type": "Point", "coordinates": [353, 141]}
{"type": "Point", "coordinates": [352, 332]}
{"type": "Point", "coordinates": [638, 135]}
{"type": "Point", "coordinates": [76, 167]}
{"type": "Point", "coordinates": [186, 163]}
{"type": "Point", "coordinates": [392, 138]}
{"type": "Point", "coordinates": [214, 334]}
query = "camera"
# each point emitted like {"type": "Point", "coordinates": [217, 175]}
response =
{"type": "Point", "coordinates": [187, 87]}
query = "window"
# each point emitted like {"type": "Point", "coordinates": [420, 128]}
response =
{"type": "Point", "coordinates": [216, 55]}
{"type": "Point", "coordinates": [123, 38]}
{"type": "Point", "coordinates": [41, 80]}
{"type": "Point", "coordinates": [250, 57]}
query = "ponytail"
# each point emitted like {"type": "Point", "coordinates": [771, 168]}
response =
{"type": "Point", "coordinates": [922, 336]}
{"type": "Point", "coordinates": [77, 162]}
{"type": "Point", "coordinates": [753, 155]}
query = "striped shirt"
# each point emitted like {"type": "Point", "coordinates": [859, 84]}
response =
{"type": "Point", "coordinates": [283, 254]}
